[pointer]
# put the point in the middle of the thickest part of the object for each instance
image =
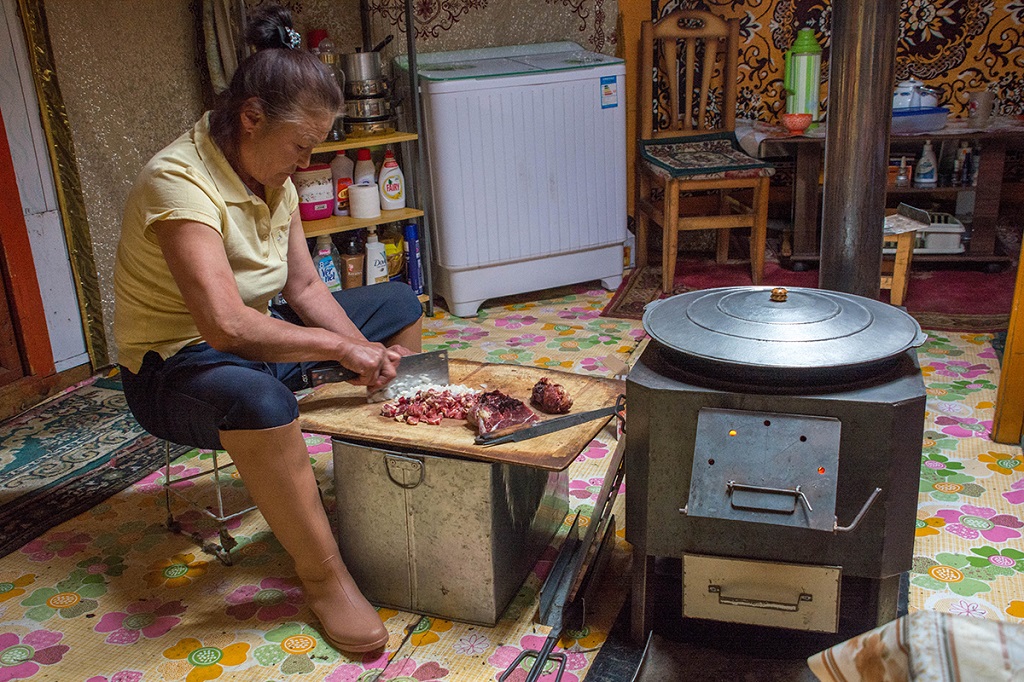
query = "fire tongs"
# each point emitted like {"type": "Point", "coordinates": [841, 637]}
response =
{"type": "Point", "coordinates": [575, 575]}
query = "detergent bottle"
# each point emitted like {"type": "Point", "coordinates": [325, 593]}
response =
{"type": "Point", "coordinates": [802, 79]}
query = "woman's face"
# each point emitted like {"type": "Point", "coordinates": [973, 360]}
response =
{"type": "Point", "coordinates": [271, 151]}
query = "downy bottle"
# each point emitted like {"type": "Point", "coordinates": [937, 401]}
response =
{"type": "Point", "coordinates": [376, 259]}
{"type": "Point", "coordinates": [326, 261]}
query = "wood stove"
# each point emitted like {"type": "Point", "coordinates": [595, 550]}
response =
{"type": "Point", "coordinates": [773, 445]}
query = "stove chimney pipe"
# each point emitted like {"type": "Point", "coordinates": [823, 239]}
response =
{"type": "Point", "coordinates": [861, 76]}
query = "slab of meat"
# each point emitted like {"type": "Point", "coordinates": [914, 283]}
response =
{"type": "Point", "coordinates": [430, 405]}
{"type": "Point", "coordinates": [550, 398]}
{"type": "Point", "coordinates": [494, 410]}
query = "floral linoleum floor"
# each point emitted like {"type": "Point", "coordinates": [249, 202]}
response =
{"type": "Point", "coordinates": [112, 596]}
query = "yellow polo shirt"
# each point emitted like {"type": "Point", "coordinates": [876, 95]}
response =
{"type": "Point", "coordinates": [191, 180]}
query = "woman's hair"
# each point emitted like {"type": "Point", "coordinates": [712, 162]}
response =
{"type": "Point", "coordinates": [287, 81]}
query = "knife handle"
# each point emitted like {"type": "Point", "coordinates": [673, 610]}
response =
{"type": "Point", "coordinates": [328, 374]}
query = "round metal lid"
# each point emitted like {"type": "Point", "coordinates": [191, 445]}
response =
{"type": "Point", "coordinates": [784, 328]}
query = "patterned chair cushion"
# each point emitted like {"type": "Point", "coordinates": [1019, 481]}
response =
{"type": "Point", "coordinates": [702, 157]}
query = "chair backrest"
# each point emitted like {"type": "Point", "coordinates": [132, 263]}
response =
{"type": "Point", "coordinates": [691, 88]}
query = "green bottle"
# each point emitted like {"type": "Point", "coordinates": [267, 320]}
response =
{"type": "Point", "coordinates": [802, 77]}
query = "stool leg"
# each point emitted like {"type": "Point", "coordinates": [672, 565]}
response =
{"type": "Point", "coordinates": [643, 194]}
{"type": "Point", "coordinates": [901, 267]}
{"type": "Point", "coordinates": [670, 232]}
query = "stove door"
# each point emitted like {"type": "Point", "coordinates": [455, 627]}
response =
{"type": "Point", "coordinates": [765, 467]}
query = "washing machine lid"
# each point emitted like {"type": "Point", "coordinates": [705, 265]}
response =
{"type": "Point", "coordinates": [512, 60]}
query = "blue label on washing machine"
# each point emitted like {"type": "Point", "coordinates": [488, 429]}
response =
{"type": "Point", "coordinates": [609, 92]}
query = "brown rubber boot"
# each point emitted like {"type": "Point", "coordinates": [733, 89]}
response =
{"type": "Point", "coordinates": [274, 465]}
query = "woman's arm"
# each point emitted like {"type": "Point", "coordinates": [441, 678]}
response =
{"type": "Point", "coordinates": [306, 293]}
{"type": "Point", "coordinates": [195, 256]}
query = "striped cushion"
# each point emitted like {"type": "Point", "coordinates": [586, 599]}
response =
{"type": "Point", "coordinates": [702, 157]}
{"type": "Point", "coordinates": [926, 645]}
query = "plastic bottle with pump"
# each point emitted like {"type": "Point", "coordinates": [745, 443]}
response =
{"type": "Point", "coordinates": [342, 173]}
{"type": "Point", "coordinates": [326, 261]}
{"type": "Point", "coordinates": [363, 171]}
{"type": "Point", "coordinates": [391, 183]}
{"type": "Point", "coordinates": [352, 265]}
{"type": "Point", "coordinates": [926, 171]}
{"type": "Point", "coordinates": [376, 259]}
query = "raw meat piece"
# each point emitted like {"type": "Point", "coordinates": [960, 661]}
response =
{"type": "Point", "coordinates": [551, 398]}
{"type": "Point", "coordinates": [430, 405]}
{"type": "Point", "coordinates": [494, 410]}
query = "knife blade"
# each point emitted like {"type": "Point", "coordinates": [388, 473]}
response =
{"type": "Point", "coordinates": [521, 433]}
{"type": "Point", "coordinates": [413, 370]}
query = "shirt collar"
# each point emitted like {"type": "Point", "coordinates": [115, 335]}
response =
{"type": "Point", "coordinates": [230, 186]}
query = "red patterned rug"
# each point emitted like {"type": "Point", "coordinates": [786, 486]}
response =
{"type": "Point", "coordinates": [947, 300]}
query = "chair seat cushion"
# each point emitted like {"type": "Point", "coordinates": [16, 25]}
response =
{"type": "Point", "coordinates": [702, 157]}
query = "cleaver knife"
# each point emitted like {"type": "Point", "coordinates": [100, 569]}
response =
{"type": "Point", "coordinates": [413, 371]}
{"type": "Point", "coordinates": [514, 434]}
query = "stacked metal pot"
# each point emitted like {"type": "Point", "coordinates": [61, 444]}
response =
{"type": "Point", "coordinates": [367, 96]}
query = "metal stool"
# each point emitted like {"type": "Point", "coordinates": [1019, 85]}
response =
{"type": "Point", "coordinates": [223, 550]}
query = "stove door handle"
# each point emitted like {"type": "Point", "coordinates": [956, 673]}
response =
{"type": "Point", "coordinates": [860, 515]}
{"type": "Point", "coordinates": [759, 603]}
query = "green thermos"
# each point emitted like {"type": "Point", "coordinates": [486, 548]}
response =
{"type": "Point", "coordinates": [802, 79]}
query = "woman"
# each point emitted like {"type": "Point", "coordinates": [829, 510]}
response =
{"type": "Point", "coordinates": [211, 233]}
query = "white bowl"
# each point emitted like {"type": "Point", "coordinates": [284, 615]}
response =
{"type": "Point", "coordinates": [919, 120]}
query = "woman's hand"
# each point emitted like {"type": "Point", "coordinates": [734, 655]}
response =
{"type": "Point", "coordinates": [375, 364]}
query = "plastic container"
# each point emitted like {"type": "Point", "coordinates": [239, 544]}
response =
{"type": "Point", "coordinates": [926, 172]}
{"type": "Point", "coordinates": [316, 198]}
{"type": "Point", "coordinates": [342, 173]}
{"type": "Point", "coordinates": [326, 259]}
{"type": "Point", "coordinates": [364, 171]}
{"type": "Point", "coordinates": [922, 120]}
{"type": "Point", "coordinates": [943, 236]}
{"type": "Point", "coordinates": [376, 259]}
{"type": "Point", "coordinates": [391, 183]}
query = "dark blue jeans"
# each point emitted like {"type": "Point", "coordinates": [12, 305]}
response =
{"type": "Point", "coordinates": [197, 392]}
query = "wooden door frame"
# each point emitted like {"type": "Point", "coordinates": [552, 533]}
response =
{"type": "Point", "coordinates": [1008, 424]}
{"type": "Point", "coordinates": [27, 310]}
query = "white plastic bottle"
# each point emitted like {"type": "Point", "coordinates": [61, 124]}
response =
{"type": "Point", "coordinates": [926, 172]}
{"type": "Point", "coordinates": [376, 259]}
{"type": "Point", "coordinates": [342, 172]}
{"type": "Point", "coordinates": [391, 183]}
{"type": "Point", "coordinates": [364, 172]}
{"type": "Point", "coordinates": [326, 260]}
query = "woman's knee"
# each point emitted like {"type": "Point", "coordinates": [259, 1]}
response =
{"type": "Point", "coordinates": [265, 405]}
{"type": "Point", "coordinates": [402, 302]}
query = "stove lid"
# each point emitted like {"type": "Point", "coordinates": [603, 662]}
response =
{"type": "Point", "coordinates": [783, 328]}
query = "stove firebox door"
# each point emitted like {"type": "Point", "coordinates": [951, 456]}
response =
{"type": "Point", "coordinates": [765, 467]}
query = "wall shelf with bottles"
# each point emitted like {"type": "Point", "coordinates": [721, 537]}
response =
{"type": "Point", "coordinates": [315, 228]}
{"type": "Point", "coordinates": [364, 141]}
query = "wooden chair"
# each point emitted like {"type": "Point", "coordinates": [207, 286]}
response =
{"type": "Point", "coordinates": [687, 142]}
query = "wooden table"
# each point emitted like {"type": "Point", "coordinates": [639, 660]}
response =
{"type": "Point", "coordinates": [982, 247]}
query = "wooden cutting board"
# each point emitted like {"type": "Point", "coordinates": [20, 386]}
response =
{"type": "Point", "coordinates": [341, 410]}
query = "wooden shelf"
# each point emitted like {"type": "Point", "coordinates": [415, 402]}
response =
{"type": "Point", "coordinates": [355, 142]}
{"type": "Point", "coordinates": [314, 228]}
{"type": "Point", "coordinates": [938, 192]}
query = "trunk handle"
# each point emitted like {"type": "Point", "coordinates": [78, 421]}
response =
{"type": "Point", "coordinates": [399, 463]}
